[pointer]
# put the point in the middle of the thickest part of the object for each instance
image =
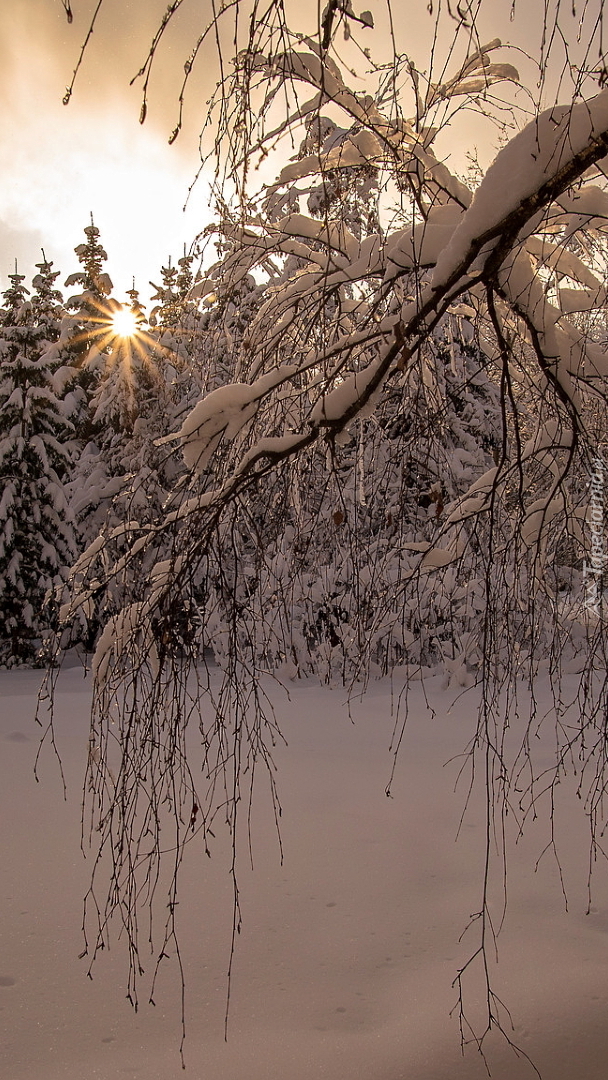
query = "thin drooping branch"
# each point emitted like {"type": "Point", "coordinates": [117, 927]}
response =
{"type": "Point", "coordinates": [352, 355]}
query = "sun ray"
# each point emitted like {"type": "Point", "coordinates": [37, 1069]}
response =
{"type": "Point", "coordinates": [117, 331]}
{"type": "Point", "coordinates": [124, 323]}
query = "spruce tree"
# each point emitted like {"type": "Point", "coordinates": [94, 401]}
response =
{"type": "Point", "coordinates": [87, 330]}
{"type": "Point", "coordinates": [122, 473]}
{"type": "Point", "coordinates": [174, 294]}
{"type": "Point", "coordinates": [48, 309]}
{"type": "Point", "coordinates": [36, 535]}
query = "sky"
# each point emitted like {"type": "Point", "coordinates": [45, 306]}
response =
{"type": "Point", "coordinates": [60, 164]}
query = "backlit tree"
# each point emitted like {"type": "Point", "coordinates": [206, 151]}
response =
{"type": "Point", "coordinates": [451, 296]}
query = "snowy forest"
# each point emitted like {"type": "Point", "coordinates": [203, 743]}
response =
{"type": "Point", "coordinates": [86, 391]}
{"type": "Point", "coordinates": [361, 432]}
{"type": "Point", "coordinates": [93, 396]}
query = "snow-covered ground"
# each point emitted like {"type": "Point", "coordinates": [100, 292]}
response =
{"type": "Point", "coordinates": [345, 964]}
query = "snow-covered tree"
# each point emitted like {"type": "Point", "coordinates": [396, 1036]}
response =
{"type": "Point", "coordinates": [362, 510]}
{"type": "Point", "coordinates": [47, 306]}
{"type": "Point", "coordinates": [118, 382]}
{"type": "Point", "coordinates": [463, 327]}
{"type": "Point", "coordinates": [36, 535]}
{"type": "Point", "coordinates": [177, 328]}
{"type": "Point", "coordinates": [87, 330]}
{"type": "Point", "coordinates": [131, 408]}
{"type": "Point", "coordinates": [173, 296]}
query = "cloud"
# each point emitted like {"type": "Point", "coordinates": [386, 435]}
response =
{"type": "Point", "coordinates": [35, 38]}
{"type": "Point", "coordinates": [29, 242]}
{"type": "Point", "coordinates": [58, 164]}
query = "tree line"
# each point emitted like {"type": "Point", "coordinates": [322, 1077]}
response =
{"type": "Point", "coordinates": [81, 401]}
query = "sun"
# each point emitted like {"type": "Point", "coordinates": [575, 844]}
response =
{"type": "Point", "coordinates": [124, 323]}
{"type": "Point", "coordinates": [118, 331]}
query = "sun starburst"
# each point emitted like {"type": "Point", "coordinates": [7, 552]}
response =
{"type": "Point", "coordinates": [117, 331]}
{"type": "Point", "coordinates": [124, 323]}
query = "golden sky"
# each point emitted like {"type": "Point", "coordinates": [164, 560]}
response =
{"type": "Point", "coordinates": [60, 163]}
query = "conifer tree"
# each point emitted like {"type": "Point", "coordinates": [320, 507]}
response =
{"type": "Point", "coordinates": [122, 472]}
{"type": "Point", "coordinates": [48, 311]}
{"type": "Point", "coordinates": [36, 536]}
{"type": "Point", "coordinates": [174, 294]}
{"type": "Point", "coordinates": [87, 330]}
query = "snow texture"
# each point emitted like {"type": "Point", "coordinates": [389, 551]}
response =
{"type": "Point", "coordinates": [224, 412]}
{"type": "Point", "coordinates": [345, 962]}
{"type": "Point", "coordinates": [532, 157]}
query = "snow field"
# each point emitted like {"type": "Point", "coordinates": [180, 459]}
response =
{"type": "Point", "coordinates": [344, 966]}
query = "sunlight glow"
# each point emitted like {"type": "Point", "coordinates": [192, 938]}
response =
{"type": "Point", "coordinates": [118, 333]}
{"type": "Point", "coordinates": [124, 323]}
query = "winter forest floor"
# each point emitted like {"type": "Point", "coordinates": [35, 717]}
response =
{"type": "Point", "coordinates": [344, 967]}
